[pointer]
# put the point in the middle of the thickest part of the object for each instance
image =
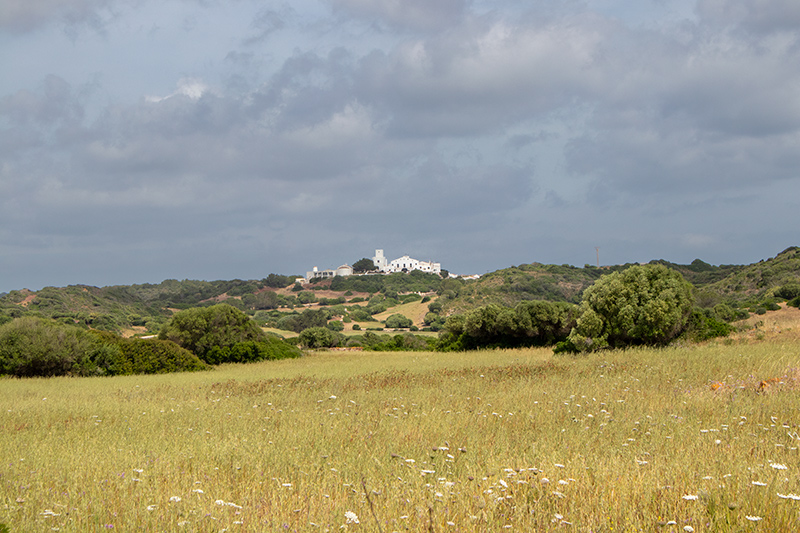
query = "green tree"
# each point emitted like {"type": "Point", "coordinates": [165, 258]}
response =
{"type": "Point", "coordinates": [643, 305]}
{"type": "Point", "coordinates": [201, 329]}
{"type": "Point", "coordinates": [363, 265]}
{"type": "Point", "coordinates": [320, 338]}
{"type": "Point", "coordinates": [276, 281]}
{"type": "Point", "coordinates": [398, 321]}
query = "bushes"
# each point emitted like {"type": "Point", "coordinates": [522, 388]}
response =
{"type": "Point", "coordinates": [146, 356]}
{"type": "Point", "coordinates": [39, 347]}
{"type": "Point", "coordinates": [530, 323]}
{"type": "Point", "coordinates": [269, 349]}
{"type": "Point", "coordinates": [704, 325]}
{"type": "Point", "coordinates": [788, 291]}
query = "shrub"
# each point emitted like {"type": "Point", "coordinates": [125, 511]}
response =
{"type": "Point", "coordinates": [146, 356]}
{"type": "Point", "coordinates": [200, 330]}
{"type": "Point", "coordinates": [320, 338]}
{"type": "Point", "coordinates": [32, 346]}
{"type": "Point", "coordinates": [398, 321]}
{"type": "Point", "coordinates": [704, 324]}
{"type": "Point", "coordinates": [335, 325]}
{"type": "Point", "coordinates": [789, 291]}
{"type": "Point", "coordinates": [530, 323]}
{"type": "Point", "coordinates": [268, 349]}
{"type": "Point", "coordinates": [643, 305]}
{"type": "Point", "coordinates": [309, 318]}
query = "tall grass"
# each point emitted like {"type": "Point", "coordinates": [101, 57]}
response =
{"type": "Point", "coordinates": [653, 440]}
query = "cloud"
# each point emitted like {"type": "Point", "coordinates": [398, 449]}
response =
{"type": "Point", "coordinates": [405, 14]}
{"type": "Point", "coordinates": [429, 128]}
{"type": "Point", "coordinates": [483, 76]}
{"type": "Point", "coordinates": [20, 16]}
{"type": "Point", "coordinates": [757, 16]}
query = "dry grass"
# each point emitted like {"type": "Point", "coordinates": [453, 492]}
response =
{"type": "Point", "coordinates": [484, 441]}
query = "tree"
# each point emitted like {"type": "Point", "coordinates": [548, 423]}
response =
{"type": "Point", "coordinates": [363, 265]}
{"type": "Point", "coordinates": [643, 305]}
{"type": "Point", "coordinates": [201, 329]}
{"type": "Point", "coordinates": [398, 321]}
{"type": "Point", "coordinates": [320, 338]}
{"type": "Point", "coordinates": [277, 281]}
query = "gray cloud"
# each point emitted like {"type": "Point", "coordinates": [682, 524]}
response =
{"type": "Point", "coordinates": [480, 139]}
{"type": "Point", "coordinates": [484, 75]}
{"type": "Point", "coordinates": [758, 16]}
{"type": "Point", "coordinates": [410, 14]}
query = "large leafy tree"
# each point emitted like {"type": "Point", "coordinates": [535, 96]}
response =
{"type": "Point", "coordinates": [643, 305]}
{"type": "Point", "coordinates": [363, 265]}
{"type": "Point", "coordinates": [201, 329]}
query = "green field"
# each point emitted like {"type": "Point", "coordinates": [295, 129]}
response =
{"type": "Point", "coordinates": [520, 440]}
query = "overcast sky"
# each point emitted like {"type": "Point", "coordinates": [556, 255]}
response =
{"type": "Point", "coordinates": [142, 140]}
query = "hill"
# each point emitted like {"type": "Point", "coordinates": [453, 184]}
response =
{"type": "Point", "coordinates": [146, 307]}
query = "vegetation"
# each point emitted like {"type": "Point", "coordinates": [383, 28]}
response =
{"type": "Point", "coordinates": [532, 323]}
{"type": "Point", "coordinates": [223, 334]}
{"type": "Point", "coordinates": [363, 265]}
{"type": "Point", "coordinates": [40, 347]}
{"type": "Point", "coordinates": [397, 321]}
{"type": "Point", "coordinates": [648, 305]}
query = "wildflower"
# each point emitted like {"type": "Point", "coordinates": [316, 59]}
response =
{"type": "Point", "coordinates": [174, 499]}
{"type": "Point", "coordinates": [778, 466]}
{"type": "Point", "coordinates": [789, 496]}
{"type": "Point", "coordinates": [351, 517]}
{"type": "Point", "coordinates": [688, 529]}
{"type": "Point", "coordinates": [689, 497]}
{"type": "Point", "coordinates": [198, 491]}
{"type": "Point", "coordinates": [759, 484]}
{"type": "Point", "coordinates": [753, 518]}
{"type": "Point", "coordinates": [151, 507]}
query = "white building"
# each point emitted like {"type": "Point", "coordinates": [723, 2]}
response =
{"type": "Point", "coordinates": [405, 264]}
{"type": "Point", "coordinates": [380, 261]}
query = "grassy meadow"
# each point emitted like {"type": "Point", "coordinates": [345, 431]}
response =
{"type": "Point", "coordinates": [678, 439]}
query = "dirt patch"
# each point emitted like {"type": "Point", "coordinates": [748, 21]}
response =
{"type": "Point", "coordinates": [783, 324]}
{"type": "Point", "coordinates": [28, 299]}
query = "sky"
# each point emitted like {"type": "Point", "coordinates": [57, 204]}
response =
{"type": "Point", "coordinates": [143, 140]}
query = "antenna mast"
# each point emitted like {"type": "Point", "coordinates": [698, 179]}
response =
{"type": "Point", "coordinates": [597, 251]}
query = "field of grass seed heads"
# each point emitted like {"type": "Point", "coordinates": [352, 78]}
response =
{"type": "Point", "coordinates": [697, 438]}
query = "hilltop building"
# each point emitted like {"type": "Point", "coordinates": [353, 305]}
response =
{"type": "Point", "coordinates": [383, 265]}
{"type": "Point", "coordinates": [404, 264]}
{"type": "Point", "coordinates": [344, 270]}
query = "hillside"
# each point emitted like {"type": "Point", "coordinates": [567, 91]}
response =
{"type": "Point", "coordinates": [146, 307]}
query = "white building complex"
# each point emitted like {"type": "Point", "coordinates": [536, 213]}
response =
{"type": "Point", "coordinates": [402, 264]}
